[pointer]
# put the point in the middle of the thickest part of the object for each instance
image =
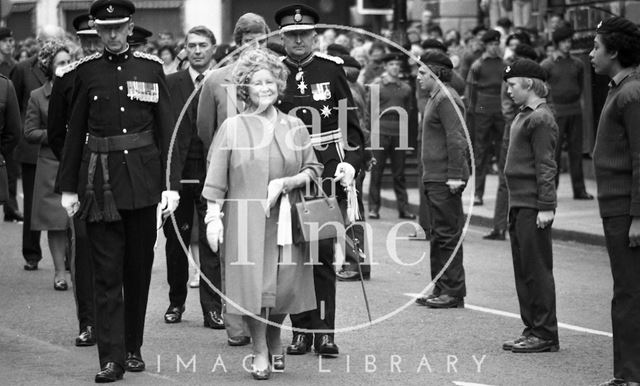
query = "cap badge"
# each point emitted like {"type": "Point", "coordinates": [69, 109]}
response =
{"type": "Point", "coordinates": [298, 16]}
{"type": "Point", "coordinates": [110, 9]}
{"type": "Point", "coordinates": [508, 69]}
{"type": "Point", "coordinates": [599, 25]}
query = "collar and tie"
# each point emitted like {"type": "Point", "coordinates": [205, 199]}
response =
{"type": "Point", "coordinates": [199, 79]}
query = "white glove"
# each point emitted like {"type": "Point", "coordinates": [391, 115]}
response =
{"type": "Point", "coordinates": [274, 190]}
{"type": "Point", "coordinates": [455, 185]}
{"type": "Point", "coordinates": [70, 203]}
{"type": "Point", "coordinates": [345, 173]}
{"type": "Point", "coordinates": [215, 229]}
{"type": "Point", "coordinates": [170, 201]}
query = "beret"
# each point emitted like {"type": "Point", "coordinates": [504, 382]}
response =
{"type": "Point", "coordinates": [393, 56]}
{"type": "Point", "coordinates": [526, 51]}
{"type": "Point", "coordinates": [524, 68]}
{"type": "Point", "coordinates": [433, 44]}
{"type": "Point", "coordinates": [350, 61]}
{"type": "Point", "coordinates": [437, 58]}
{"type": "Point", "coordinates": [520, 36]}
{"type": "Point", "coordinates": [139, 36]}
{"type": "Point", "coordinates": [561, 33]}
{"type": "Point", "coordinates": [337, 49]}
{"type": "Point", "coordinates": [491, 36]}
{"type": "Point", "coordinates": [617, 24]}
{"type": "Point", "coordinates": [5, 33]}
{"type": "Point", "coordinates": [111, 11]}
{"type": "Point", "coordinates": [296, 17]}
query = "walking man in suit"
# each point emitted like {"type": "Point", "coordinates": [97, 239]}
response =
{"type": "Point", "coordinates": [200, 46]}
{"type": "Point", "coordinates": [212, 111]}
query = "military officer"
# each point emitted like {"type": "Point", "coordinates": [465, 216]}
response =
{"type": "Point", "coordinates": [315, 86]}
{"type": "Point", "coordinates": [113, 174]}
{"type": "Point", "coordinates": [60, 104]}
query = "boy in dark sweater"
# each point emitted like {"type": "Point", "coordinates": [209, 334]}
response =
{"type": "Point", "coordinates": [445, 165]}
{"type": "Point", "coordinates": [530, 170]}
{"type": "Point", "coordinates": [616, 157]}
{"type": "Point", "coordinates": [565, 76]}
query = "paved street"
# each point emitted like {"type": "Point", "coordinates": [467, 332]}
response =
{"type": "Point", "coordinates": [414, 346]}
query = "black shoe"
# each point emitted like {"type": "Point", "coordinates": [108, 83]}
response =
{"type": "Point", "coordinates": [423, 300]}
{"type": "Point", "coordinates": [326, 347]}
{"type": "Point", "coordinates": [445, 301]}
{"type": "Point", "coordinates": [583, 196]}
{"type": "Point", "coordinates": [213, 319]}
{"type": "Point", "coordinates": [60, 285]}
{"type": "Point", "coordinates": [347, 275]}
{"type": "Point", "coordinates": [134, 362]}
{"type": "Point", "coordinates": [508, 345]}
{"type": "Point", "coordinates": [239, 341]}
{"type": "Point", "coordinates": [300, 344]}
{"type": "Point", "coordinates": [13, 217]}
{"type": "Point", "coordinates": [534, 344]}
{"type": "Point", "coordinates": [495, 234]}
{"type": "Point", "coordinates": [31, 267]}
{"type": "Point", "coordinates": [110, 372]}
{"type": "Point", "coordinates": [173, 314]}
{"type": "Point", "coordinates": [477, 200]}
{"type": "Point", "coordinates": [86, 337]}
{"type": "Point", "coordinates": [407, 216]}
{"type": "Point", "coordinates": [374, 215]}
{"type": "Point", "coordinates": [614, 382]}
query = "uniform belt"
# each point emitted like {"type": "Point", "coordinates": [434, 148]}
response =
{"type": "Point", "coordinates": [119, 142]}
{"type": "Point", "coordinates": [326, 138]}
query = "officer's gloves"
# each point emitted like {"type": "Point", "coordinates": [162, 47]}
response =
{"type": "Point", "coordinates": [345, 173]}
{"type": "Point", "coordinates": [215, 229]}
{"type": "Point", "coordinates": [70, 203]}
{"type": "Point", "coordinates": [170, 201]}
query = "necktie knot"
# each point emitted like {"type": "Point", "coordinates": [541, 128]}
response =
{"type": "Point", "coordinates": [199, 78]}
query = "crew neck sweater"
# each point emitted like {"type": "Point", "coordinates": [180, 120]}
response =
{"type": "Point", "coordinates": [530, 167]}
{"type": "Point", "coordinates": [616, 155]}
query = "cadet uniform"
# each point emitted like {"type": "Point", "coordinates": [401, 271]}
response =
{"type": "Point", "coordinates": [115, 158]}
{"type": "Point", "coordinates": [315, 86]}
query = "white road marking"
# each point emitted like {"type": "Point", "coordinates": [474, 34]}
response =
{"type": "Point", "coordinates": [517, 316]}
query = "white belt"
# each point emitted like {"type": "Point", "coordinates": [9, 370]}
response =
{"type": "Point", "coordinates": [326, 137]}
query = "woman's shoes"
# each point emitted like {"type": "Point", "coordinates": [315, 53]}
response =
{"type": "Point", "coordinates": [60, 285]}
{"type": "Point", "coordinates": [278, 362]}
{"type": "Point", "coordinates": [260, 375]}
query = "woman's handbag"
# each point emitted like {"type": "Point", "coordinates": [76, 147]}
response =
{"type": "Point", "coordinates": [4, 181]}
{"type": "Point", "coordinates": [316, 218]}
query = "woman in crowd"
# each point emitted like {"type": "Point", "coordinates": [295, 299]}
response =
{"type": "Point", "coordinates": [47, 213]}
{"type": "Point", "coordinates": [261, 153]}
{"type": "Point", "coordinates": [168, 56]}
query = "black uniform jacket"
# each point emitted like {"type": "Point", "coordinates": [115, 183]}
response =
{"type": "Point", "coordinates": [314, 87]}
{"type": "Point", "coordinates": [117, 94]}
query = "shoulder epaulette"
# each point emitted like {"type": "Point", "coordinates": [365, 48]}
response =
{"type": "Point", "coordinates": [144, 55]}
{"type": "Point", "coordinates": [80, 61]}
{"type": "Point", "coordinates": [332, 58]}
{"type": "Point", "coordinates": [64, 70]}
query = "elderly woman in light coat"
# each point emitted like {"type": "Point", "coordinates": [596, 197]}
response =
{"type": "Point", "coordinates": [261, 154]}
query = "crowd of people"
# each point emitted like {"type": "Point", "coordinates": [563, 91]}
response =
{"type": "Point", "coordinates": [88, 125]}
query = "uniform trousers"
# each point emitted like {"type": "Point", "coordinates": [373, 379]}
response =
{"type": "Point", "coordinates": [82, 274]}
{"type": "Point", "coordinates": [388, 143]}
{"type": "Point", "coordinates": [324, 278]}
{"type": "Point", "coordinates": [533, 269]}
{"type": "Point", "coordinates": [31, 250]}
{"type": "Point", "coordinates": [447, 221]}
{"type": "Point", "coordinates": [122, 254]}
{"type": "Point", "coordinates": [625, 306]}
{"type": "Point", "coordinates": [488, 130]}
{"type": "Point", "coordinates": [570, 131]}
